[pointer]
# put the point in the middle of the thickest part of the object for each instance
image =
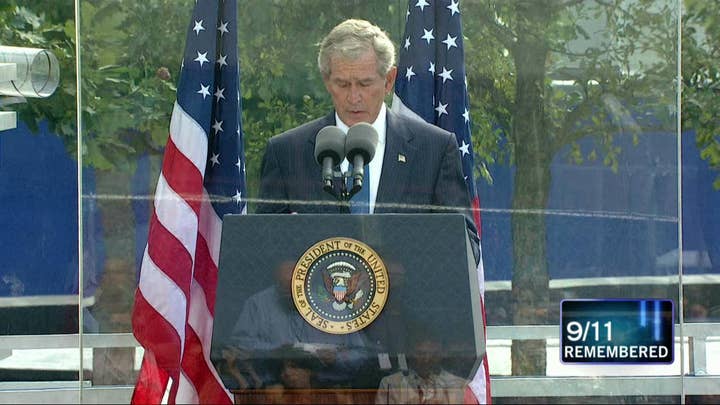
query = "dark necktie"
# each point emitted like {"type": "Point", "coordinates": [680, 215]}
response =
{"type": "Point", "coordinates": [360, 202]}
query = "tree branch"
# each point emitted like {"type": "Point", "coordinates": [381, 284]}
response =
{"type": "Point", "coordinates": [568, 131]}
{"type": "Point", "coordinates": [503, 34]}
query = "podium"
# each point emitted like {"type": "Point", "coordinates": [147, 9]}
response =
{"type": "Point", "coordinates": [327, 308]}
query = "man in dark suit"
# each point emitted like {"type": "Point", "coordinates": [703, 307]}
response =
{"type": "Point", "coordinates": [416, 167]}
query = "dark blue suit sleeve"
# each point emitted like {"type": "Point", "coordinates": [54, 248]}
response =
{"type": "Point", "coordinates": [272, 196]}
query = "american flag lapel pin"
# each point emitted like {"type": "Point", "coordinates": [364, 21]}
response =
{"type": "Point", "coordinates": [401, 158]}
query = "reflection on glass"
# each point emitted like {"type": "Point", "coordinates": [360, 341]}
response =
{"type": "Point", "coordinates": [38, 72]}
{"type": "Point", "coordinates": [423, 380]}
{"type": "Point", "coordinates": [271, 344]}
{"type": "Point", "coordinates": [580, 136]}
{"type": "Point", "coordinates": [257, 324]}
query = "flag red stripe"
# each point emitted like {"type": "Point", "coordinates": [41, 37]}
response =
{"type": "Point", "coordinates": [207, 279]}
{"type": "Point", "coordinates": [169, 255]}
{"type": "Point", "coordinates": [156, 335]}
{"type": "Point", "coordinates": [151, 382]}
{"type": "Point", "coordinates": [476, 215]}
{"type": "Point", "coordinates": [196, 369]}
{"type": "Point", "coordinates": [469, 397]}
{"type": "Point", "coordinates": [182, 176]}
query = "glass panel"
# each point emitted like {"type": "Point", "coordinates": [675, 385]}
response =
{"type": "Point", "coordinates": [701, 193]}
{"type": "Point", "coordinates": [574, 129]}
{"type": "Point", "coordinates": [38, 171]}
{"type": "Point", "coordinates": [129, 75]}
{"type": "Point", "coordinates": [578, 116]}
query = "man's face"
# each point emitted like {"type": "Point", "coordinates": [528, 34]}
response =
{"type": "Point", "coordinates": [357, 89]}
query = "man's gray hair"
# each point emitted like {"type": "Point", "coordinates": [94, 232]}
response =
{"type": "Point", "coordinates": [351, 39]}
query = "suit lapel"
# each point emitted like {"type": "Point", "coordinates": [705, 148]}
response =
{"type": "Point", "coordinates": [327, 120]}
{"type": "Point", "coordinates": [399, 154]}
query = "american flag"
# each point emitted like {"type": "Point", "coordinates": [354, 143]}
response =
{"type": "Point", "coordinates": [432, 86]}
{"type": "Point", "coordinates": [202, 179]}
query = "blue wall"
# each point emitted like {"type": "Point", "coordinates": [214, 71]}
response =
{"type": "Point", "coordinates": [614, 224]}
{"type": "Point", "coordinates": [38, 218]}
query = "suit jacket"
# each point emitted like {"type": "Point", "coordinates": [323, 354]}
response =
{"type": "Point", "coordinates": [421, 172]}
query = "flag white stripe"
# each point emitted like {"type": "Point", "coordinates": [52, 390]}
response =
{"type": "Point", "coordinates": [210, 227]}
{"type": "Point", "coordinates": [199, 317]}
{"type": "Point", "coordinates": [189, 137]}
{"type": "Point", "coordinates": [186, 393]}
{"type": "Point", "coordinates": [176, 215]}
{"type": "Point", "coordinates": [481, 272]}
{"type": "Point", "coordinates": [478, 385]}
{"type": "Point", "coordinates": [163, 294]}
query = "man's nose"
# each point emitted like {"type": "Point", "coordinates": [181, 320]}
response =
{"type": "Point", "coordinates": [354, 95]}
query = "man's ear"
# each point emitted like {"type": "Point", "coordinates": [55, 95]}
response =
{"type": "Point", "coordinates": [390, 80]}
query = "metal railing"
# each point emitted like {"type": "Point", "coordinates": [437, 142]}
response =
{"type": "Point", "coordinates": [695, 380]}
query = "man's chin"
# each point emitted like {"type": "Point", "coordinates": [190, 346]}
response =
{"type": "Point", "coordinates": [353, 118]}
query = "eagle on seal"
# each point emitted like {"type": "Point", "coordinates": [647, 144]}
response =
{"type": "Point", "coordinates": [341, 282]}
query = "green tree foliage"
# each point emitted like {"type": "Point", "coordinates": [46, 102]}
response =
{"type": "Point", "coordinates": [701, 78]}
{"type": "Point", "coordinates": [130, 60]}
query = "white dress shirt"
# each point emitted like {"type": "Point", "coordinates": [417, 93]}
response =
{"type": "Point", "coordinates": [375, 165]}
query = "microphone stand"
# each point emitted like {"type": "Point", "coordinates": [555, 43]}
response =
{"type": "Point", "coordinates": [344, 195]}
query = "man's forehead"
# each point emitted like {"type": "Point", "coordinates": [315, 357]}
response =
{"type": "Point", "coordinates": [354, 78]}
{"type": "Point", "coordinates": [366, 61]}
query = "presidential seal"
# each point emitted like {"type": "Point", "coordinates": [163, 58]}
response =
{"type": "Point", "coordinates": [340, 285]}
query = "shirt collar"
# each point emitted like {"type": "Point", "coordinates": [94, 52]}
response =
{"type": "Point", "coordinates": [380, 124]}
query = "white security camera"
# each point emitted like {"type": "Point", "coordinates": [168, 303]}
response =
{"type": "Point", "coordinates": [37, 72]}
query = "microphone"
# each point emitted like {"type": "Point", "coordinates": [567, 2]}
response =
{"type": "Point", "coordinates": [360, 148]}
{"type": "Point", "coordinates": [329, 151]}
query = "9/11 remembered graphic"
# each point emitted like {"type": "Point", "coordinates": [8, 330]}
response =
{"type": "Point", "coordinates": [616, 331]}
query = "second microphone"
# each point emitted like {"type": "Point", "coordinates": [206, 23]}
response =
{"type": "Point", "coordinates": [358, 147]}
